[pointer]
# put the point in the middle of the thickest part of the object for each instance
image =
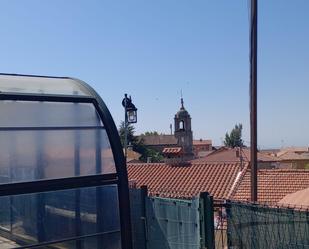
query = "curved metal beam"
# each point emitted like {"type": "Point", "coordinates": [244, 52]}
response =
{"type": "Point", "coordinates": [120, 163]}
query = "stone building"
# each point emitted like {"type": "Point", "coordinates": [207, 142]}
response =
{"type": "Point", "coordinates": [159, 142]}
{"type": "Point", "coordinates": [202, 148]}
{"type": "Point", "coordinates": [182, 138]}
{"type": "Point", "coordinates": [183, 152]}
{"type": "Point", "coordinates": [183, 132]}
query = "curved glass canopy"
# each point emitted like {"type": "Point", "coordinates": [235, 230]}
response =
{"type": "Point", "coordinates": [41, 84]}
{"type": "Point", "coordinates": [63, 180]}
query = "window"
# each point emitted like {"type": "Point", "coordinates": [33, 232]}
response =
{"type": "Point", "coordinates": [181, 125]}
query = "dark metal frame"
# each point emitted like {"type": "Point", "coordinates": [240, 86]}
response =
{"type": "Point", "coordinates": [120, 178]}
{"type": "Point", "coordinates": [40, 245]}
{"type": "Point", "coordinates": [37, 186]}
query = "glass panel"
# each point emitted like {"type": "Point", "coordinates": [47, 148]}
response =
{"type": "Point", "coordinates": [47, 114]}
{"type": "Point", "coordinates": [59, 215]}
{"type": "Point", "coordinates": [41, 85]}
{"type": "Point", "coordinates": [5, 213]}
{"type": "Point", "coordinates": [48, 154]}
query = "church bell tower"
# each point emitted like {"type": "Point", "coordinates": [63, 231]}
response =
{"type": "Point", "coordinates": [183, 131]}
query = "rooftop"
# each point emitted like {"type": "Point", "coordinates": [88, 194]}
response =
{"type": "Point", "coordinates": [172, 150]}
{"type": "Point", "coordinates": [132, 155]}
{"type": "Point", "coordinates": [186, 181]}
{"type": "Point", "coordinates": [273, 184]}
{"type": "Point", "coordinates": [159, 139]}
{"type": "Point", "coordinates": [225, 154]}
{"type": "Point", "coordinates": [289, 153]}
{"type": "Point", "coordinates": [202, 142]}
{"type": "Point", "coordinates": [292, 155]}
{"type": "Point", "coordinates": [299, 198]}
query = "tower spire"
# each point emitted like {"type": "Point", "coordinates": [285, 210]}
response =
{"type": "Point", "coordinates": [181, 100]}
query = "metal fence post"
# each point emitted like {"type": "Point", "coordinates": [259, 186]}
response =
{"type": "Point", "coordinates": [209, 220]}
{"type": "Point", "coordinates": [228, 219]}
{"type": "Point", "coordinates": [202, 222]}
{"type": "Point", "coordinates": [144, 195]}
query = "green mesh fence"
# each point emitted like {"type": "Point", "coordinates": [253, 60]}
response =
{"type": "Point", "coordinates": [138, 220]}
{"type": "Point", "coordinates": [165, 223]}
{"type": "Point", "coordinates": [172, 224]}
{"type": "Point", "coordinates": [259, 227]}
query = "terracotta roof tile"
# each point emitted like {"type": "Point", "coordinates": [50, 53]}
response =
{"type": "Point", "coordinates": [202, 142]}
{"type": "Point", "coordinates": [186, 181]}
{"type": "Point", "coordinates": [132, 155]}
{"type": "Point", "coordinates": [273, 184]}
{"type": "Point", "coordinates": [233, 155]}
{"type": "Point", "coordinates": [291, 155]}
{"type": "Point", "coordinates": [172, 150]}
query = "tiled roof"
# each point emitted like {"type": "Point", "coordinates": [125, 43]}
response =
{"type": "Point", "coordinates": [172, 150]}
{"type": "Point", "coordinates": [299, 198]}
{"type": "Point", "coordinates": [159, 139]}
{"type": "Point", "coordinates": [202, 142]}
{"type": "Point", "coordinates": [232, 155]}
{"type": "Point", "coordinates": [261, 157]}
{"type": "Point", "coordinates": [132, 155]}
{"type": "Point", "coordinates": [296, 149]}
{"type": "Point", "coordinates": [202, 154]}
{"type": "Point", "coordinates": [270, 151]}
{"type": "Point", "coordinates": [273, 184]}
{"type": "Point", "coordinates": [290, 155]}
{"type": "Point", "coordinates": [186, 181]}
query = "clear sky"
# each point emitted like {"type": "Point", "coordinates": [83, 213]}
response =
{"type": "Point", "coordinates": [153, 49]}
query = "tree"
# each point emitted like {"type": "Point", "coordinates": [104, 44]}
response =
{"type": "Point", "coordinates": [234, 138]}
{"type": "Point", "coordinates": [146, 152]}
{"type": "Point", "coordinates": [131, 138]}
{"type": "Point", "coordinates": [138, 144]}
{"type": "Point", "coordinates": [150, 133]}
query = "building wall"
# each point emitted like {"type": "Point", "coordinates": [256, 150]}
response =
{"type": "Point", "coordinates": [201, 147]}
{"type": "Point", "coordinates": [294, 164]}
{"type": "Point", "coordinates": [267, 165]}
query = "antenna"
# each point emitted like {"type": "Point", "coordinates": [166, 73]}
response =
{"type": "Point", "coordinates": [282, 143]}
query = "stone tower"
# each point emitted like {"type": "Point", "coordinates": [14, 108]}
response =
{"type": "Point", "coordinates": [183, 131]}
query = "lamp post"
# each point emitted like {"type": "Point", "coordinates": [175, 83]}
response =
{"type": "Point", "coordinates": [130, 117]}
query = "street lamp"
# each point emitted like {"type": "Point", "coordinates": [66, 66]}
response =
{"type": "Point", "coordinates": [130, 117]}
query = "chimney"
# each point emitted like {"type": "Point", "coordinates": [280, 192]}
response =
{"type": "Point", "coordinates": [237, 152]}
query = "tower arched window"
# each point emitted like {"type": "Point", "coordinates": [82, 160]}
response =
{"type": "Point", "coordinates": [181, 125]}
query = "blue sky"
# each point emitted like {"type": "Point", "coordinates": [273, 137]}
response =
{"type": "Point", "coordinates": [154, 49]}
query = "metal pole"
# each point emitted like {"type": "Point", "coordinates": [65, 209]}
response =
{"type": "Point", "coordinates": [125, 127]}
{"type": "Point", "coordinates": [253, 98]}
{"type": "Point", "coordinates": [144, 195]}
